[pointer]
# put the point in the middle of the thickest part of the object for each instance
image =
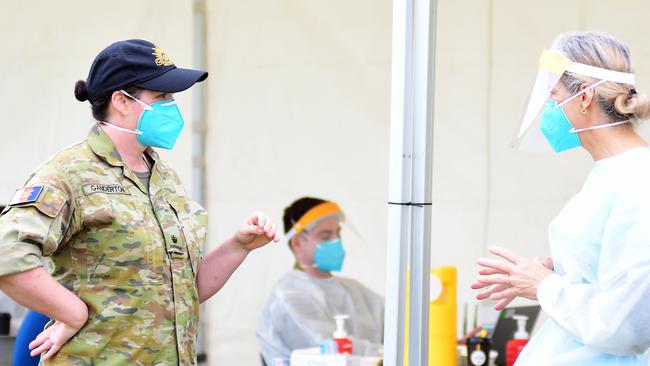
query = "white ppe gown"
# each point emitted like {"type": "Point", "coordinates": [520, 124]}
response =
{"type": "Point", "coordinates": [598, 298]}
{"type": "Point", "coordinates": [299, 313]}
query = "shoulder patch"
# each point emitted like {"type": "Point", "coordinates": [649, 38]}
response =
{"type": "Point", "coordinates": [104, 188]}
{"type": "Point", "coordinates": [26, 195]}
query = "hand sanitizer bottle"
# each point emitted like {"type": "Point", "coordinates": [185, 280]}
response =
{"type": "Point", "coordinates": [516, 345]}
{"type": "Point", "coordinates": [341, 336]}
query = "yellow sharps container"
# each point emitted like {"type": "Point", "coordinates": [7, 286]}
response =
{"type": "Point", "coordinates": [442, 317]}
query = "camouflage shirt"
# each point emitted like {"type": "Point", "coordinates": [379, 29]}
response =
{"type": "Point", "coordinates": [131, 256]}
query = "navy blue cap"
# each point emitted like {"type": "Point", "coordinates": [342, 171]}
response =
{"type": "Point", "coordinates": [140, 63]}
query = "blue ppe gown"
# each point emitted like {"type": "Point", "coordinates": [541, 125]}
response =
{"type": "Point", "coordinates": [598, 298]}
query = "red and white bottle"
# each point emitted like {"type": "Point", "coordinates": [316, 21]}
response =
{"type": "Point", "coordinates": [344, 344]}
{"type": "Point", "coordinates": [517, 344]}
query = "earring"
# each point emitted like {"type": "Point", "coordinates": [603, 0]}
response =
{"type": "Point", "coordinates": [583, 111]}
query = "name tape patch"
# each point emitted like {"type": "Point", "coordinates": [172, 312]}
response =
{"type": "Point", "coordinates": [26, 195]}
{"type": "Point", "coordinates": [104, 188]}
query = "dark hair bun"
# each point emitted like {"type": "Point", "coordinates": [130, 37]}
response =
{"type": "Point", "coordinates": [80, 91]}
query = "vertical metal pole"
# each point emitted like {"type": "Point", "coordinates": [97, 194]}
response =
{"type": "Point", "coordinates": [399, 185]}
{"type": "Point", "coordinates": [198, 112]}
{"type": "Point", "coordinates": [198, 137]}
{"type": "Point", "coordinates": [423, 85]}
{"type": "Point", "coordinates": [409, 232]}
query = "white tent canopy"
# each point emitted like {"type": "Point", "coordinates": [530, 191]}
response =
{"type": "Point", "coordinates": [299, 101]}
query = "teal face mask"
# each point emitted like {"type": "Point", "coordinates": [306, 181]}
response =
{"type": "Point", "coordinates": [557, 128]}
{"type": "Point", "coordinates": [329, 255]}
{"type": "Point", "coordinates": [559, 132]}
{"type": "Point", "coordinates": [159, 125]}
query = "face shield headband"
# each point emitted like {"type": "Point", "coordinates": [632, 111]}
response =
{"type": "Point", "coordinates": [552, 65]}
{"type": "Point", "coordinates": [313, 216]}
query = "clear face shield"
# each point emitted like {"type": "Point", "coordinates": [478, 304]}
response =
{"type": "Point", "coordinates": [315, 215]}
{"type": "Point", "coordinates": [329, 252]}
{"type": "Point", "coordinates": [552, 65]}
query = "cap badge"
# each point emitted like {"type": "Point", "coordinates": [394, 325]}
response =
{"type": "Point", "coordinates": [161, 57]}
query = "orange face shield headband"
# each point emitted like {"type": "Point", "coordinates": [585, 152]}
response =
{"type": "Point", "coordinates": [315, 214]}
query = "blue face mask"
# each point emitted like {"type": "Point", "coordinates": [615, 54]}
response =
{"type": "Point", "coordinates": [159, 125]}
{"type": "Point", "coordinates": [329, 255]}
{"type": "Point", "coordinates": [557, 129]}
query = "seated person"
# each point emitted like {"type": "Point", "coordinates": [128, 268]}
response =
{"type": "Point", "coordinates": [299, 312]}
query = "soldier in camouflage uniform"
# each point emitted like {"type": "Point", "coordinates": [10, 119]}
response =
{"type": "Point", "coordinates": [124, 238]}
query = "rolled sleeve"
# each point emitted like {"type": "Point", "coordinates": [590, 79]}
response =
{"type": "Point", "coordinates": [29, 231]}
{"type": "Point", "coordinates": [18, 257]}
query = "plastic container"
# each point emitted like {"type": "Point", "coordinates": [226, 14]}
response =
{"type": "Point", "coordinates": [517, 344]}
{"type": "Point", "coordinates": [442, 316]}
{"type": "Point", "coordinates": [344, 344]}
{"type": "Point", "coordinates": [478, 350]}
{"type": "Point", "coordinates": [281, 362]}
{"type": "Point", "coordinates": [462, 356]}
{"type": "Point", "coordinates": [5, 323]}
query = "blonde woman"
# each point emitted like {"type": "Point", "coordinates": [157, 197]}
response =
{"type": "Point", "coordinates": [597, 287]}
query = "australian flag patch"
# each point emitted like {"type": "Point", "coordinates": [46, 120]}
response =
{"type": "Point", "coordinates": [26, 195]}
